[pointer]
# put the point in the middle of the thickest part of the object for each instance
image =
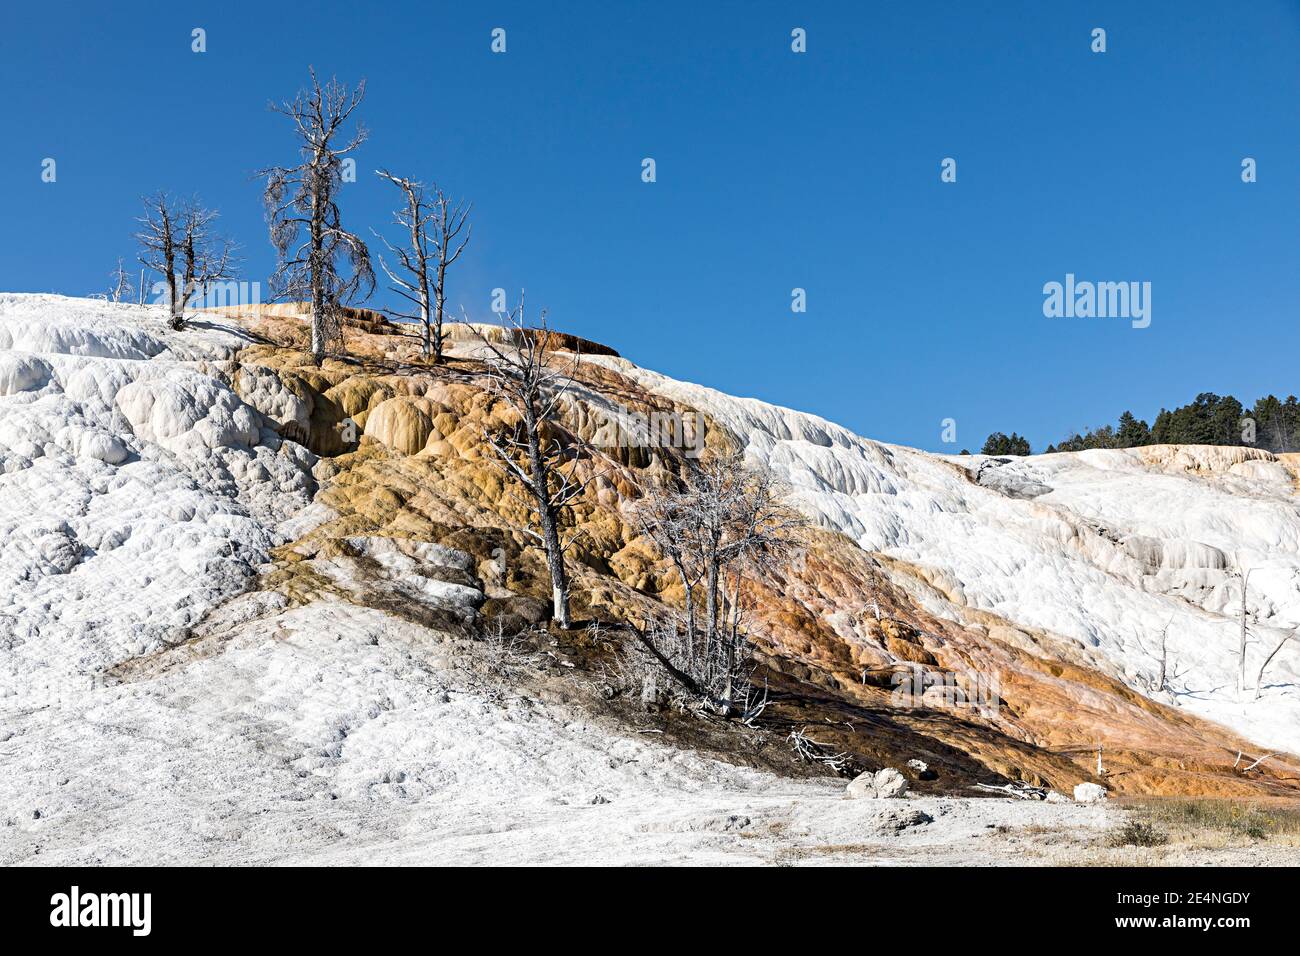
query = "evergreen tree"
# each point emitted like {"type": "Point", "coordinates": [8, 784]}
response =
{"type": "Point", "coordinates": [1271, 431]}
{"type": "Point", "coordinates": [1291, 423]}
{"type": "Point", "coordinates": [1162, 428]}
{"type": "Point", "coordinates": [1209, 419]}
{"type": "Point", "coordinates": [1000, 444]}
{"type": "Point", "coordinates": [1132, 432]}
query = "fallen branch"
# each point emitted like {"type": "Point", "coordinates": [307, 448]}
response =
{"type": "Point", "coordinates": [810, 751]}
{"type": "Point", "coordinates": [1259, 680]}
{"type": "Point", "coordinates": [1257, 763]}
{"type": "Point", "coordinates": [1020, 791]}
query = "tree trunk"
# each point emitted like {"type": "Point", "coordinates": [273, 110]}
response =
{"type": "Point", "coordinates": [1259, 680]}
{"type": "Point", "coordinates": [318, 304]}
{"type": "Point", "coordinates": [1241, 674]}
{"type": "Point", "coordinates": [684, 679]}
{"type": "Point", "coordinates": [422, 265]}
{"type": "Point", "coordinates": [425, 319]}
{"type": "Point", "coordinates": [732, 636]}
{"type": "Point", "coordinates": [550, 525]}
{"type": "Point", "coordinates": [711, 611]}
{"type": "Point", "coordinates": [689, 589]}
{"type": "Point", "coordinates": [174, 304]}
{"type": "Point", "coordinates": [440, 298]}
{"type": "Point", "coordinates": [169, 261]}
{"type": "Point", "coordinates": [555, 561]}
{"type": "Point", "coordinates": [317, 324]}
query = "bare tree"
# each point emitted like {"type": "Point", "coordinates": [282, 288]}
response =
{"type": "Point", "coordinates": [177, 239]}
{"type": "Point", "coordinates": [723, 526]}
{"type": "Point", "coordinates": [205, 256]}
{"type": "Point", "coordinates": [158, 241]}
{"type": "Point", "coordinates": [524, 372]}
{"type": "Point", "coordinates": [1241, 658]}
{"type": "Point", "coordinates": [1259, 680]}
{"type": "Point", "coordinates": [757, 540]}
{"type": "Point", "coordinates": [433, 226]}
{"type": "Point", "coordinates": [667, 519]}
{"type": "Point", "coordinates": [1160, 656]}
{"type": "Point", "coordinates": [303, 213]}
{"type": "Point", "coordinates": [120, 286]}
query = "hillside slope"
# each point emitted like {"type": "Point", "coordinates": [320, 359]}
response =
{"type": "Point", "coordinates": [245, 601]}
{"type": "Point", "coordinates": [1103, 548]}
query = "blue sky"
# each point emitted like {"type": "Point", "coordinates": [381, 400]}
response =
{"type": "Point", "coordinates": [775, 171]}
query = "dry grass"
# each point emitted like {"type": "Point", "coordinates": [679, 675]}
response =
{"type": "Point", "coordinates": [1138, 833]}
{"type": "Point", "coordinates": [1215, 819]}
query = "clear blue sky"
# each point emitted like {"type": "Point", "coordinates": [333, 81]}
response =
{"type": "Point", "coordinates": [775, 171]}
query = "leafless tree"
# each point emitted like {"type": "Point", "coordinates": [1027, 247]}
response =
{"type": "Point", "coordinates": [120, 285]}
{"type": "Point", "coordinates": [205, 256]}
{"type": "Point", "coordinates": [667, 519]}
{"type": "Point", "coordinates": [157, 238]}
{"type": "Point", "coordinates": [303, 213]}
{"type": "Point", "coordinates": [1244, 574]}
{"type": "Point", "coordinates": [723, 526]}
{"type": "Point", "coordinates": [1259, 680]}
{"type": "Point", "coordinates": [434, 226]}
{"type": "Point", "coordinates": [177, 239]}
{"type": "Point", "coordinates": [1160, 656]}
{"type": "Point", "coordinates": [525, 372]}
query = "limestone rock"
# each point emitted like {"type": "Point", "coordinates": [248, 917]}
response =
{"type": "Point", "coordinates": [886, 784]}
{"type": "Point", "coordinates": [401, 424]}
{"type": "Point", "coordinates": [1089, 793]}
{"type": "Point", "coordinates": [921, 769]}
{"type": "Point", "coordinates": [898, 820]}
{"type": "Point", "coordinates": [288, 412]}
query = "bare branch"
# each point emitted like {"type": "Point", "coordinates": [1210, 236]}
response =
{"type": "Point", "coordinates": [310, 191]}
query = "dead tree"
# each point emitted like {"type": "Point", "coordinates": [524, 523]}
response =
{"type": "Point", "coordinates": [756, 543]}
{"type": "Point", "coordinates": [1259, 679]}
{"type": "Point", "coordinates": [525, 372]}
{"type": "Point", "coordinates": [1241, 659]}
{"type": "Point", "coordinates": [120, 286]}
{"type": "Point", "coordinates": [158, 236]}
{"type": "Point", "coordinates": [303, 213]}
{"type": "Point", "coordinates": [724, 527]}
{"type": "Point", "coordinates": [415, 216]}
{"type": "Point", "coordinates": [433, 226]}
{"type": "Point", "coordinates": [177, 239]}
{"type": "Point", "coordinates": [448, 222]}
{"type": "Point", "coordinates": [205, 256]}
{"type": "Point", "coordinates": [1160, 656]}
{"type": "Point", "coordinates": [666, 517]}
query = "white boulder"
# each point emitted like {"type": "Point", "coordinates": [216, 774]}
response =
{"type": "Point", "coordinates": [886, 784]}
{"type": "Point", "coordinates": [1089, 793]}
